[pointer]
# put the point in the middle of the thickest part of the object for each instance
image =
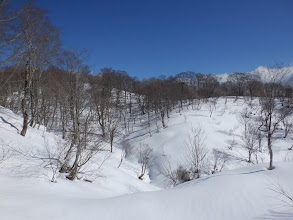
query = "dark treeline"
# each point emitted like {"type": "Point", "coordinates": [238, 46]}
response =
{"type": "Point", "coordinates": [56, 88]}
{"type": "Point", "coordinates": [52, 86]}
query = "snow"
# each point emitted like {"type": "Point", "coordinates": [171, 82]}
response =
{"type": "Point", "coordinates": [242, 191]}
{"type": "Point", "coordinates": [265, 77]}
{"type": "Point", "coordinates": [239, 194]}
{"type": "Point", "coordinates": [27, 161]}
{"type": "Point", "coordinates": [220, 129]}
{"type": "Point", "coordinates": [223, 77]}
{"type": "Point", "coordinates": [262, 71]}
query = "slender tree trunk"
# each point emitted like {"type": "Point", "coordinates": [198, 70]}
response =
{"type": "Point", "coordinates": [54, 113]}
{"type": "Point", "coordinates": [25, 99]}
{"type": "Point", "coordinates": [76, 130]}
{"type": "Point", "coordinates": [270, 150]}
{"type": "Point", "coordinates": [64, 167]}
{"type": "Point", "coordinates": [74, 169]}
{"type": "Point", "coordinates": [32, 97]}
{"type": "Point", "coordinates": [163, 118]}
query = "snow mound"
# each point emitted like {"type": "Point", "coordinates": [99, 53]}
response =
{"type": "Point", "coordinates": [239, 194]}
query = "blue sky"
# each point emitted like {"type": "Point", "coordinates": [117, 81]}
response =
{"type": "Point", "coordinates": [152, 38]}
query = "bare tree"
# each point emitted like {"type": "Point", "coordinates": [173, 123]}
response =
{"type": "Point", "coordinates": [249, 136]}
{"type": "Point", "coordinates": [87, 145]}
{"type": "Point", "coordinates": [196, 151]}
{"type": "Point", "coordinates": [10, 47]}
{"type": "Point", "coordinates": [79, 106]}
{"type": "Point", "coordinates": [54, 157]}
{"type": "Point", "coordinates": [175, 177]}
{"type": "Point", "coordinates": [144, 158]}
{"type": "Point", "coordinates": [212, 105]}
{"type": "Point", "coordinates": [237, 83]}
{"type": "Point", "coordinates": [271, 114]}
{"type": "Point", "coordinates": [112, 126]}
{"type": "Point", "coordinates": [288, 124]}
{"type": "Point", "coordinates": [40, 41]}
{"type": "Point", "coordinates": [126, 150]}
{"type": "Point", "coordinates": [219, 159]}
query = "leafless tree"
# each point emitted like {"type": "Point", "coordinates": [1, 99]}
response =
{"type": "Point", "coordinates": [237, 83]}
{"type": "Point", "coordinates": [53, 159]}
{"type": "Point", "coordinates": [145, 158]}
{"type": "Point", "coordinates": [175, 177]}
{"type": "Point", "coordinates": [271, 114]}
{"type": "Point", "coordinates": [219, 159]}
{"type": "Point", "coordinates": [112, 126]}
{"type": "Point", "coordinates": [87, 145]}
{"type": "Point", "coordinates": [250, 135]}
{"type": "Point", "coordinates": [196, 151]}
{"type": "Point", "coordinates": [10, 47]}
{"type": "Point", "coordinates": [288, 124]}
{"type": "Point", "coordinates": [40, 40]}
{"type": "Point", "coordinates": [212, 105]}
{"type": "Point", "coordinates": [126, 150]}
{"type": "Point", "coordinates": [79, 106]}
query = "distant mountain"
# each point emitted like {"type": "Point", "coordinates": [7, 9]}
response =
{"type": "Point", "coordinates": [285, 74]}
{"type": "Point", "coordinates": [223, 77]}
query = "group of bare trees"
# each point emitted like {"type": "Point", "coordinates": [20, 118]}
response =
{"type": "Point", "coordinates": [271, 118]}
{"type": "Point", "coordinates": [251, 137]}
{"type": "Point", "coordinates": [272, 113]}
{"type": "Point", "coordinates": [46, 82]}
{"type": "Point", "coordinates": [198, 160]}
{"type": "Point", "coordinates": [52, 86]}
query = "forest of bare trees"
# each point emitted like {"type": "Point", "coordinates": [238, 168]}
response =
{"type": "Point", "coordinates": [53, 86]}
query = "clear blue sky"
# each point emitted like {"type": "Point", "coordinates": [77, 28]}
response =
{"type": "Point", "coordinates": [153, 37]}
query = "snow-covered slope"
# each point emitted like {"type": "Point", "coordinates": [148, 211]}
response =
{"type": "Point", "coordinates": [284, 75]}
{"type": "Point", "coordinates": [27, 162]}
{"type": "Point", "coordinates": [237, 193]}
{"type": "Point", "coordinates": [223, 77]}
{"type": "Point", "coordinates": [262, 72]}
{"type": "Point", "coordinates": [222, 131]}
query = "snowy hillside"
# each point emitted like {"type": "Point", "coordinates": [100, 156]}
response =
{"type": "Point", "coordinates": [81, 139]}
{"type": "Point", "coordinates": [222, 130]}
{"type": "Point", "coordinates": [241, 191]}
{"type": "Point", "coordinates": [27, 159]}
{"type": "Point", "coordinates": [287, 72]}
{"type": "Point", "coordinates": [263, 73]}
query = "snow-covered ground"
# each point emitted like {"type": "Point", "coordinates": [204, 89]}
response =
{"type": "Point", "coordinates": [222, 130]}
{"type": "Point", "coordinates": [238, 194]}
{"type": "Point", "coordinates": [242, 191]}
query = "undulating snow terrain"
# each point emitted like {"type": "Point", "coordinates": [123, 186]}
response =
{"type": "Point", "coordinates": [241, 191]}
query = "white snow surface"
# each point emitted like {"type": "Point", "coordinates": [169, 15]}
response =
{"type": "Point", "coordinates": [239, 194]}
{"type": "Point", "coordinates": [241, 191]}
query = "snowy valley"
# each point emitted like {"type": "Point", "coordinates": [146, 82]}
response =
{"type": "Point", "coordinates": [241, 190]}
{"type": "Point", "coordinates": [146, 110]}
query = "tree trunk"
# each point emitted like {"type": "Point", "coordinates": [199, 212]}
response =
{"type": "Point", "coordinates": [25, 99]}
{"type": "Point", "coordinates": [270, 151]}
{"type": "Point", "coordinates": [163, 118]}
{"type": "Point", "coordinates": [74, 169]}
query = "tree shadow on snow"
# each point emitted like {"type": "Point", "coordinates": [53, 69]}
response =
{"type": "Point", "coordinates": [9, 124]}
{"type": "Point", "coordinates": [203, 179]}
{"type": "Point", "coordinates": [277, 215]}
